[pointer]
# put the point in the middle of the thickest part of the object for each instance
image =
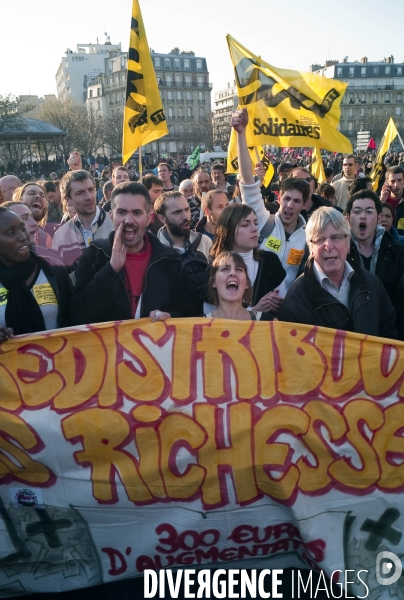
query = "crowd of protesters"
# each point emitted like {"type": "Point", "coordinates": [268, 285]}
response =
{"type": "Point", "coordinates": [99, 245]}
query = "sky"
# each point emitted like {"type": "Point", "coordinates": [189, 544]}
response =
{"type": "Point", "coordinates": [292, 34]}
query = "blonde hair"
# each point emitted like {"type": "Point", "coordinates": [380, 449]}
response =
{"type": "Point", "coordinates": [320, 219]}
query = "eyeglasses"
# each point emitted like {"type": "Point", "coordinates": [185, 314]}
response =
{"type": "Point", "coordinates": [367, 211]}
{"type": "Point", "coordinates": [336, 239]}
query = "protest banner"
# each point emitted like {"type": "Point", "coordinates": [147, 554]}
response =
{"type": "Point", "coordinates": [287, 108]}
{"type": "Point", "coordinates": [198, 443]}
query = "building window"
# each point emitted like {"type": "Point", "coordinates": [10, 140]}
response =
{"type": "Point", "coordinates": [157, 62]}
{"type": "Point", "coordinates": [170, 111]}
{"type": "Point", "coordinates": [117, 79]}
{"type": "Point", "coordinates": [363, 98]}
{"type": "Point", "coordinates": [363, 112]}
{"type": "Point", "coordinates": [387, 70]}
{"type": "Point", "coordinates": [98, 104]}
{"type": "Point", "coordinates": [110, 66]}
{"type": "Point", "coordinates": [181, 129]}
{"type": "Point", "coordinates": [198, 64]}
{"type": "Point", "coordinates": [350, 126]}
{"type": "Point", "coordinates": [179, 96]}
{"type": "Point", "coordinates": [123, 60]}
{"type": "Point", "coordinates": [339, 71]}
{"type": "Point", "coordinates": [170, 95]}
{"type": "Point", "coordinates": [188, 80]}
{"type": "Point", "coordinates": [189, 111]}
{"type": "Point", "coordinates": [351, 71]}
{"type": "Point", "coordinates": [180, 112]}
{"type": "Point", "coordinates": [200, 80]}
{"type": "Point", "coordinates": [399, 97]}
{"type": "Point", "coordinates": [186, 64]}
{"type": "Point", "coordinates": [98, 91]}
{"type": "Point", "coordinates": [399, 111]}
{"type": "Point", "coordinates": [387, 97]}
{"type": "Point", "coordinates": [350, 113]}
{"type": "Point", "coordinates": [177, 64]}
{"type": "Point", "coordinates": [201, 111]}
{"type": "Point", "coordinates": [399, 70]}
{"type": "Point", "coordinates": [91, 93]}
{"type": "Point", "coordinates": [375, 70]}
{"type": "Point", "coordinates": [167, 64]}
{"type": "Point", "coordinates": [172, 128]}
{"type": "Point", "coordinates": [178, 79]}
{"type": "Point", "coordinates": [189, 96]}
{"type": "Point", "coordinates": [363, 71]}
{"type": "Point", "coordinates": [201, 97]}
{"type": "Point", "coordinates": [168, 79]}
{"type": "Point", "coordinates": [375, 98]}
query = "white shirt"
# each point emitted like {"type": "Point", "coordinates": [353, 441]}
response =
{"type": "Point", "coordinates": [342, 293]}
{"type": "Point", "coordinates": [88, 233]}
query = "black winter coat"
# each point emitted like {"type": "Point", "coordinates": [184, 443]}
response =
{"type": "Point", "coordinates": [100, 293]}
{"type": "Point", "coordinates": [61, 284]}
{"type": "Point", "coordinates": [371, 311]}
{"type": "Point", "coordinates": [389, 269]}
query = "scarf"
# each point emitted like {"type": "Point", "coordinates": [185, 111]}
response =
{"type": "Point", "coordinates": [22, 311]}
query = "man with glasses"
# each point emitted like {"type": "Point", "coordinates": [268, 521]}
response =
{"type": "Point", "coordinates": [332, 292]}
{"type": "Point", "coordinates": [374, 249]}
{"type": "Point", "coordinates": [8, 185]}
{"type": "Point", "coordinates": [341, 186]}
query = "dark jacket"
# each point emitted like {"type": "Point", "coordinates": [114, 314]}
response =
{"type": "Point", "coordinates": [371, 311]}
{"type": "Point", "coordinates": [269, 276]}
{"type": "Point", "coordinates": [317, 202]}
{"type": "Point", "coordinates": [100, 293]}
{"type": "Point", "coordinates": [399, 217]}
{"type": "Point", "coordinates": [389, 268]}
{"type": "Point", "coordinates": [59, 280]}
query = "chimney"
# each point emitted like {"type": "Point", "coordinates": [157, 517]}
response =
{"type": "Point", "coordinates": [364, 60]}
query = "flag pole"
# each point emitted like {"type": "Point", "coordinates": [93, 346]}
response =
{"type": "Point", "coordinates": [399, 137]}
{"type": "Point", "coordinates": [140, 164]}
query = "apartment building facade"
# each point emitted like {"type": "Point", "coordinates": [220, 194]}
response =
{"type": "Point", "coordinates": [375, 93]}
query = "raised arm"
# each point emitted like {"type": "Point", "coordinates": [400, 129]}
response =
{"type": "Point", "coordinates": [250, 189]}
{"type": "Point", "coordinates": [239, 122]}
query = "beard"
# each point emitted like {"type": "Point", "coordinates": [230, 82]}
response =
{"type": "Point", "coordinates": [177, 230]}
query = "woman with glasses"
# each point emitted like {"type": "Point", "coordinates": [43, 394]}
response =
{"type": "Point", "coordinates": [333, 292]}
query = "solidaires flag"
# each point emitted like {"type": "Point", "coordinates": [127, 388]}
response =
{"type": "Point", "coordinates": [257, 154]}
{"type": "Point", "coordinates": [389, 135]}
{"type": "Point", "coordinates": [143, 118]}
{"type": "Point", "coordinates": [317, 167]}
{"type": "Point", "coordinates": [287, 108]}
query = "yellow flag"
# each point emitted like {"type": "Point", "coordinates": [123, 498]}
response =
{"type": "Point", "coordinates": [143, 119]}
{"type": "Point", "coordinates": [317, 167]}
{"type": "Point", "coordinates": [287, 108]}
{"type": "Point", "coordinates": [389, 135]}
{"type": "Point", "coordinates": [257, 154]}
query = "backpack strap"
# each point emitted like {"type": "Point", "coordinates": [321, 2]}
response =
{"type": "Point", "coordinates": [195, 243]}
